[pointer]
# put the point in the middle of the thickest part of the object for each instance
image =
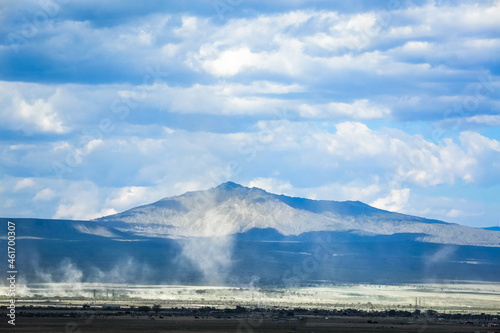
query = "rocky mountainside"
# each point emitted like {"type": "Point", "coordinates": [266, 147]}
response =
{"type": "Point", "coordinates": [231, 208]}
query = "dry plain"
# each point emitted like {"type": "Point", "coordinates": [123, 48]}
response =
{"type": "Point", "coordinates": [59, 308]}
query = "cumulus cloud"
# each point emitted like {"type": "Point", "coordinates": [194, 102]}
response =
{"type": "Point", "coordinates": [411, 158]}
{"type": "Point", "coordinates": [455, 213]}
{"type": "Point", "coordinates": [40, 115]}
{"type": "Point", "coordinates": [45, 195]}
{"type": "Point", "coordinates": [81, 201]}
{"type": "Point", "coordinates": [81, 211]}
{"type": "Point", "coordinates": [24, 183]}
{"type": "Point", "coordinates": [395, 201]}
{"type": "Point", "coordinates": [32, 114]}
{"type": "Point", "coordinates": [127, 196]}
{"type": "Point", "coordinates": [489, 120]}
{"type": "Point", "coordinates": [271, 185]}
{"type": "Point", "coordinates": [231, 62]}
{"type": "Point", "coordinates": [478, 144]}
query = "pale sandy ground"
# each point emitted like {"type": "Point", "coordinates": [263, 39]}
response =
{"type": "Point", "coordinates": [450, 298]}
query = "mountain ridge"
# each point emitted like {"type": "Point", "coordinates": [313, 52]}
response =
{"type": "Point", "coordinates": [230, 208]}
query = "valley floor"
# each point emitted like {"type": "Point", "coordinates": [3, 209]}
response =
{"type": "Point", "coordinates": [449, 298]}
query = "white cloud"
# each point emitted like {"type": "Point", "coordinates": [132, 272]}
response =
{"type": "Point", "coordinates": [396, 201]}
{"type": "Point", "coordinates": [359, 109]}
{"type": "Point", "coordinates": [416, 47]}
{"type": "Point", "coordinates": [91, 146]}
{"type": "Point", "coordinates": [37, 116]}
{"type": "Point", "coordinates": [463, 17]}
{"type": "Point", "coordinates": [188, 186]}
{"type": "Point", "coordinates": [256, 99]}
{"type": "Point", "coordinates": [80, 211]}
{"type": "Point", "coordinates": [271, 185]}
{"type": "Point", "coordinates": [477, 144]}
{"type": "Point", "coordinates": [354, 191]}
{"type": "Point", "coordinates": [359, 22]}
{"type": "Point", "coordinates": [81, 201]}
{"type": "Point", "coordinates": [490, 120]}
{"type": "Point", "coordinates": [189, 26]}
{"type": "Point", "coordinates": [354, 139]}
{"type": "Point", "coordinates": [24, 183]}
{"type": "Point", "coordinates": [231, 62]}
{"type": "Point", "coordinates": [273, 43]}
{"type": "Point", "coordinates": [223, 98]}
{"type": "Point", "coordinates": [40, 114]}
{"type": "Point", "coordinates": [45, 195]}
{"type": "Point", "coordinates": [455, 213]}
{"type": "Point", "coordinates": [410, 158]}
{"type": "Point", "coordinates": [455, 209]}
{"type": "Point", "coordinates": [451, 54]}
{"type": "Point", "coordinates": [54, 108]}
{"type": "Point", "coordinates": [428, 164]}
{"type": "Point", "coordinates": [128, 197]}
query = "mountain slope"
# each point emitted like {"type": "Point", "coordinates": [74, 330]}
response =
{"type": "Point", "coordinates": [231, 208]}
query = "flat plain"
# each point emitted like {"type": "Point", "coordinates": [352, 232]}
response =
{"type": "Point", "coordinates": [116, 308]}
{"type": "Point", "coordinates": [462, 297]}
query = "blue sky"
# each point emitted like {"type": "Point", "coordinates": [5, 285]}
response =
{"type": "Point", "coordinates": [106, 105]}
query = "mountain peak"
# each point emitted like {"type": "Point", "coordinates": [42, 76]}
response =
{"type": "Point", "coordinates": [229, 185]}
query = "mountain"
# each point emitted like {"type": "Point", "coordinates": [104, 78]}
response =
{"type": "Point", "coordinates": [234, 235]}
{"type": "Point", "coordinates": [231, 208]}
